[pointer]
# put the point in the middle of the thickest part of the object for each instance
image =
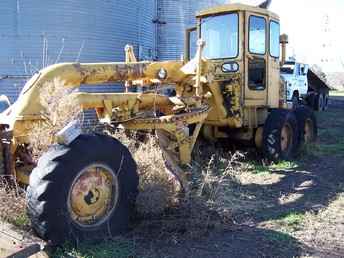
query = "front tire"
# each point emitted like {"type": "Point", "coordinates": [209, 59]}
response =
{"type": "Point", "coordinates": [84, 191]}
{"type": "Point", "coordinates": [280, 135]}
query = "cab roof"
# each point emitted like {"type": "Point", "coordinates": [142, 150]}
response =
{"type": "Point", "coordinates": [234, 8]}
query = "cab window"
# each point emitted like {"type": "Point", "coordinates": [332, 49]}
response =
{"type": "Point", "coordinates": [257, 37]}
{"type": "Point", "coordinates": [221, 34]}
{"type": "Point", "coordinates": [297, 69]}
{"type": "Point", "coordinates": [274, 39]}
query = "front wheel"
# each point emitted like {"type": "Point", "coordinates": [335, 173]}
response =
{"type": "Point", "coordinates": [280, 135]}
{"type": "Point", "coordinates": [84, 191]}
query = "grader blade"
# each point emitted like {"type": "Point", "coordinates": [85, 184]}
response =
{"type": "Point", "coordinates": [168, 144]}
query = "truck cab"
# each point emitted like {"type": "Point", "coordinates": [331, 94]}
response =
{"type": "Point", "coordinates": [294, 75]}
{"type": "Point", "coordinates": [303, 85]}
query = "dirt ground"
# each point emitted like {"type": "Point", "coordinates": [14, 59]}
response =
{"type": "Point", "coordinates": [294, 209]}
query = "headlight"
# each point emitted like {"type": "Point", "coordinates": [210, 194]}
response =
{"type": "Point", "coordinates": [230, 67]}
{"type": "Point", "coordinates": [162, 74]}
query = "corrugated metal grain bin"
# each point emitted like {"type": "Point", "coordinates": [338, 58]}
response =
{"type": "Point", "coordinates": [35, 33]}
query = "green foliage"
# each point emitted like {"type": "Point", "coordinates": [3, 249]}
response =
{"type": "Point", "coordinates": [260, 168]}
{"type": "Point", "coordinates": [289, 222]}
{"type": "Point", "coordinates": [292, 218]}
{"type": "Point", "coordinates": [21, 220]}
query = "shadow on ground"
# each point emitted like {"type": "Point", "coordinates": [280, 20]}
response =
{"type": "Point", "coordinates": [239, 241]}
{"type": "Point", "coordinates": [315, 182]}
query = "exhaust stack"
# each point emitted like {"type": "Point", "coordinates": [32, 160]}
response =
{"type": "Point", "coordinates": [265, 4]}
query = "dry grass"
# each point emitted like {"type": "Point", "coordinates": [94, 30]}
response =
{"type": "Point", "coordinates": [163, 208]}
{"type": "Point", "coordinates": [323, 231]}
{"type": "Point", "coordinates": [13, 203]}
{"type": "Point", "coordinates": [59, 110]}
{"type": "Point", "coordinates": [215, 177]}
{"type": "Point", "coordinates": [157, 189]}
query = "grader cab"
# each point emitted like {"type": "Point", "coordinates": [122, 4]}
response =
{"type": "Point", "coordinates": [231, 88]}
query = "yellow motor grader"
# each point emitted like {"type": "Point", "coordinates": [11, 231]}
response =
{"type": "Point", "coordinates": [84, 187]}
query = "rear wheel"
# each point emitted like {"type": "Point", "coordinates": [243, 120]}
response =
{"type": "Point", "coordinates": [296, 101]}
{"type": "Point", "coordinates": [280, 135]}
{"type": "Point", "coordinates": [326, 102]}
{"type": "Point", "coordinates": [82, 192]}
{"type": "Point", "coordinates": [307, 124]}
{"type": "Point", "coordinates": [319, 102]}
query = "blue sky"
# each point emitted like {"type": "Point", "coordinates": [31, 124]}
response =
{"type": "Point", "coordinates": [310, 39]}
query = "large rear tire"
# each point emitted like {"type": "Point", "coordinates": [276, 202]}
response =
{"type": "Point", "coordinates": [280, 135]}
{"type": "Point", "coordinates": [307, 124]}
{"type": "Point", "coordinates": [84, 191]}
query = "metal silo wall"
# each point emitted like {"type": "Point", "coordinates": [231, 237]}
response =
{"type": "Point", "coordinates": [37, 33]}
{"type": "Point", "coordinates": [174, 17]}
{"type": "Point", "coordinates": [147, 30]}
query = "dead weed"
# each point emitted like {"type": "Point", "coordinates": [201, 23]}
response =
{"type": "Point", "coordinates": [161, 205]}
{"type": "Point", "coordinates": [59, 110]}
{"type": "Point", "coordinates": [13, 203]}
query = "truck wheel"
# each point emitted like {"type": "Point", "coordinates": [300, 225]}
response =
{"type": "Point", "coordinates": [310, 100]}
{"type": "Point", "coordinates": [319, 102]}
{"type": "Point", "coordinates": [84, 191]}
{"type": "Point", "coordinates": [295, 101]}
{"type": "Point", "coordinates": [307, 124]}
{"type": "Point", "coordinates": [280, 136]}
{"type": "Point", "coordinates": [326, 100]}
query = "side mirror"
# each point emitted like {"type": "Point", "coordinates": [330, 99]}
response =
{"type": "Point", "coordinates": [305, 69]}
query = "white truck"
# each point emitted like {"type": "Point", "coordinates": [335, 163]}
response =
{"type": "Point", "coordinates": [304, 86]}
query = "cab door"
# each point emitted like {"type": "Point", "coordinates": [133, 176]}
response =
{"type": "Point", "coordinates": [302, 79]}
{"type": "Point", "coordinates": [256, 61]}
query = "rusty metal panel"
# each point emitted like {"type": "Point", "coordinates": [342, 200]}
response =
{"type": "Point", "coordinates": [174, 17]}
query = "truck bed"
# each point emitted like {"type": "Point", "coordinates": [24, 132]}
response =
{"type": "Point", "coordinates": [316, 83]}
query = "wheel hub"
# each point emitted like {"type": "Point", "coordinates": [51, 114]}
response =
{"type": "Point", "coordinates": [93, 195]}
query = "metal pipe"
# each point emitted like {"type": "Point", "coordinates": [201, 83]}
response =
{"type": "Point", "coordinates": [284, 42]}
